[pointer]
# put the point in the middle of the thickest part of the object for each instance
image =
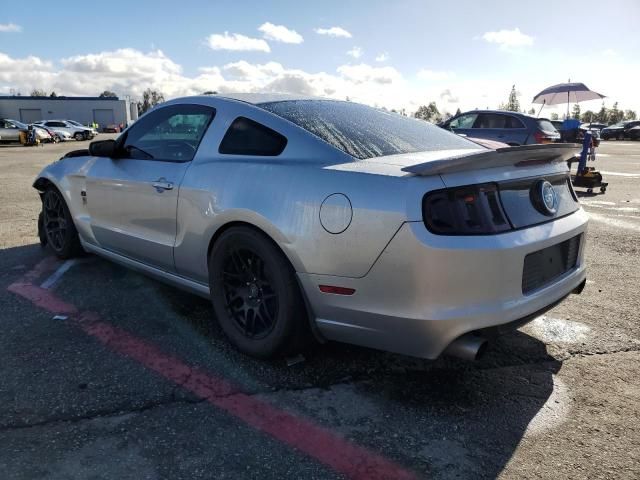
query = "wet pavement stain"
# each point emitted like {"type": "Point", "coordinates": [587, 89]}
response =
{"type": "Point", "coordinates": [551, 330]}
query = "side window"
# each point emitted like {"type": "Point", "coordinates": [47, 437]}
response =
{"type": "Point", "coordinates": [246, 137]}
{"type": "Point", "coordinates": [490, 120]}
{"type": "Point", "coordinates": [170, 134]}
{"type": "Point", "coordinates": [463, 121]}
{"type": "Point", "coordinates": [513, 122]}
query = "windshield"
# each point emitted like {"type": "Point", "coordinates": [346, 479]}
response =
{"type": "Point", "coordinates": [365, 132]}
{"type": "Point", "coordinates": [19, 124]}
{"type": "Point", "coordinates": [73, 122]}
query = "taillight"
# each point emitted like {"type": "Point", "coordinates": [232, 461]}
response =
{"type": "Point", "coordinates": [473, 210]}
{"type": "Point", "coordinates": [542, 137]}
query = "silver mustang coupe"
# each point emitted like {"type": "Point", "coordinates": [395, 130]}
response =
{"type": "Point", "coordinates": [306, 218]}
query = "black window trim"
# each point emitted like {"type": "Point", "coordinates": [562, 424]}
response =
{"type": "Point", "coordinates": [523, 127]}
{"type": "Point", "coordinates": [259, 126]}
{"type": "Point", "coordinates": [123, 138]}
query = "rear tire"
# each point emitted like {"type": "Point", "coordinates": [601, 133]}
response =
{"type": "Point", "coordinates": [59, 230]}
{"type": "Point", "coordinates": [255, 294]}
{"type": "Point", "coordinates": [79, 137]}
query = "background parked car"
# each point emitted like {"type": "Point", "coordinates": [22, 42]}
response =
{"type": "Point", "coordinates": [10, 130]}
{"type": "Point", "coordinates": [619, 131]}
{"type": "Point", "coordinates": [113, 128]}
{"type": "Point", "coordinates": [511, 128]}
{"type": "Point", "coordinates": [634, 133]}
{"type": "Point", "coordinates": [593, 126]}
{"type": "Point", "coordinates": [78, 124]}
{"type": "Point", "coordinates": [45, 135]}
{"type": "Point", "coordinates": [79, 133]}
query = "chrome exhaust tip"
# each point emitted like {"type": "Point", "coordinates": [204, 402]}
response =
{"type": "Point", "coordinates": [468, 347]}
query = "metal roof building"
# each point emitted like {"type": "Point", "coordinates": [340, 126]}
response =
{"type": "Point", "coordinates": [104, 111]}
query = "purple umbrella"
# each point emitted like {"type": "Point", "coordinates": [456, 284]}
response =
{"type": "Point", "coordinates": [566, 92]}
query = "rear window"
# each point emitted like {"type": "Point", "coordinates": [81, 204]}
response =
{"type": "Point", "coordinates": [246, 137]}
{"type": "Point", "coordinates": [365, 132]}
{"type": "Point", "coordinates": [546, 126]}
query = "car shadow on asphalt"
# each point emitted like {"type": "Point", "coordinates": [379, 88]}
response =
{"type": "Point", "coordinates": [445, 418]}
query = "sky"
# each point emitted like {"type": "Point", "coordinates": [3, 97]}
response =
{"type": "Point", "coordinates": [393, 54]}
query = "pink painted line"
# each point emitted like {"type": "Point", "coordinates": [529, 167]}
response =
{"type": "Point", "coordinates": [302, 434]}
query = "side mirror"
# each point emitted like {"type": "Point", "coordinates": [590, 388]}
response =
{"type": "Point", "coordinates": [103, 148]}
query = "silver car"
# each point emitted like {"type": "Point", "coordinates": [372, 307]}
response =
{"type": "Point", "coordinates": [10, 130]}
{"type": "Point", "coordinates": [78, 132]}
{"type": "Point", "coordinates": [307, 218]}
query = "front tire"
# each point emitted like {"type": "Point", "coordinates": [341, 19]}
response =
{"type": "Point", "coordinates": [255, 294]}
{"type": "Point", "coordinates": [78, 136]}
{"type": "Point", "coordinates": [59, 230]}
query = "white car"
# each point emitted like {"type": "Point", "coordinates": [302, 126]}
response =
{"type": "Point", "coordinates": [78, 124]}
{"type": "Point", "coordinates": [77, 132]}
{"type": "Point", "coordinates": [62, 135]}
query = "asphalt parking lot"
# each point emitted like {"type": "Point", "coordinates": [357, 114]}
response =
{"type": "Point", "coordinates": [108, 374]}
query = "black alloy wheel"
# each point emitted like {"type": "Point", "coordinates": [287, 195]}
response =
{"type": "Point", "coordinates": [59, 230]}
{"type": "Point", "coordinates": [250, 298]}
{"type": "Point", "coordinates": [255, 294]}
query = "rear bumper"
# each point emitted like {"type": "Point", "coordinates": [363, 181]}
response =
{"type": "Point", "coordinates": [426, 290]}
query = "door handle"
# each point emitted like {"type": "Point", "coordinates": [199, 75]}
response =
{"type": "Point", "coordinates": [161, 185]}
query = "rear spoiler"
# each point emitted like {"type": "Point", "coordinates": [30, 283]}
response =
{"type": "Point", "coordinates": [516, 156]}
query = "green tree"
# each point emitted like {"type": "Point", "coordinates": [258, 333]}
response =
{"type": "Point", "coordinates": [53, 94]}
{"type": "Point", "coordinates": [588, 117]}
{"type": "Point", "coordinates": [602, 116]}
{"type": "Point", "coordinates": [150, 98]}
{"type": "Point", "coordinates": [458, 112]}
{"type": "Point", "coordinates": [430, 113]}
{"type": "Point", "coordinates": [513, 104]}
{"type": "Point", "coordinates": [615, 115]}
{"type": "Point", "coordinates": [38, 92]}
{"type": "Point", "coordinates": [629, 115]}
{"type": "Point", "coordinates": [575, 113]}
{"type": "Point", "coordinates": [107, 94]}
{"type": "Point", "coordinates": [532, 111]}
{"type": "Point", "coordinates": [554, 116]}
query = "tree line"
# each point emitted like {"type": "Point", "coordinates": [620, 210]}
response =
{"type": "Point", "coordinates": [429, 112]}
{"type": "Point", "coordinates": [609, 116]}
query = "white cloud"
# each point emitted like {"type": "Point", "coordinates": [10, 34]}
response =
{"type": "Point", "coordinates": [383, 57]}
{"type": "Point", "coordinates": [507, 39]}
{"type": "Point", "coordinates": [236, 42]}
{"type": "Point", "coordinates": [448, 97]}
{"type": "Point", "coordinates": [333, 32]}
{"type": "Point", "coordinates": [280, 33]}
{"type": "Point", "coordinates": [129, 72]}
{"type": "Point", "coordinates": [355, 52]}
{"type": "Point", "coordinates": [246, 71]}
{"type": "Point", "coordinates": [364, 73]}
{"type": "Point", "coordinates": [434, 75]}
{"type": "Point", "coordinates": [10, 28]}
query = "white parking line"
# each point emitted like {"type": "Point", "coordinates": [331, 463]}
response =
{"type": "Point", "coordinates": [620, 174]}
{"type": "Point", "coordinates": [615, 222]}
{"type": "Point", "coordinates": [615, 209]}
{"type": "Point", "coordinates": [57, 275]}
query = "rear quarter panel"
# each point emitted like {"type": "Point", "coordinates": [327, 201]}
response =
{"type": "Point", "coordinates": [283, 199]}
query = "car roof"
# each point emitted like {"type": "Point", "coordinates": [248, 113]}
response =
{"type": "Point", "coordinates": [259, 98]}
{"type": "Point", "coordinates": [508, 112]}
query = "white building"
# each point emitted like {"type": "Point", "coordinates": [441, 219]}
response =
{"type": "Point", "coordinates": [103, 111]}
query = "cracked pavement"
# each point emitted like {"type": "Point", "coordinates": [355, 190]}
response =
{"type": "Point", "coordinates": [558, 399]}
